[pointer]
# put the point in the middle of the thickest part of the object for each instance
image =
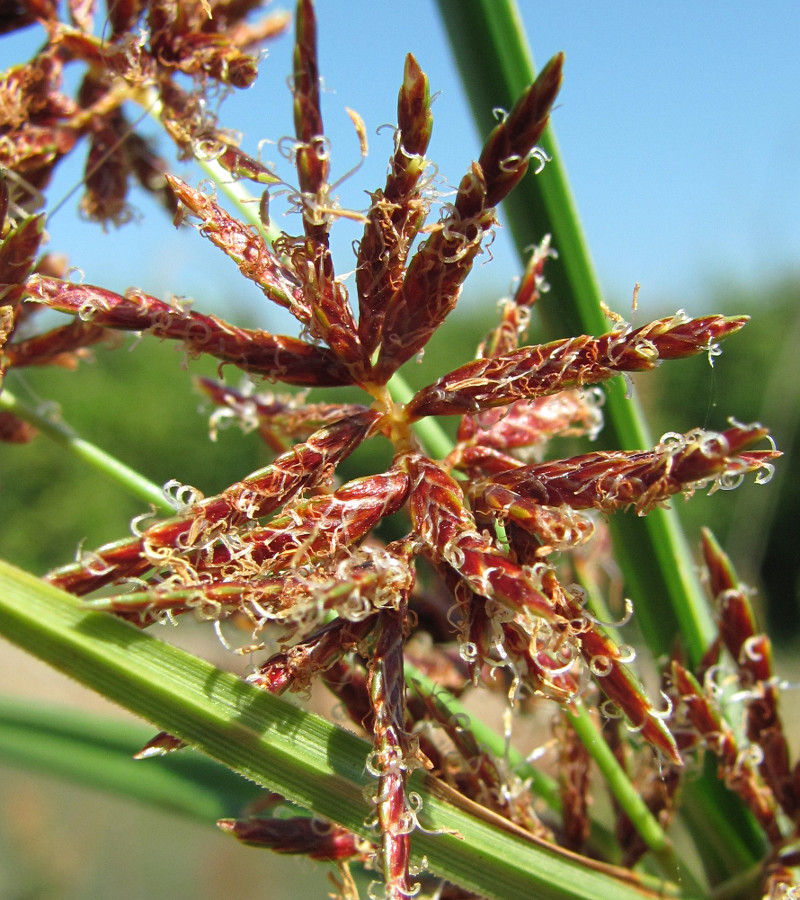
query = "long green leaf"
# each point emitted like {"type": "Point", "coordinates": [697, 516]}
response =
{"type": "Point", "coordinates": [657, 563]}
{"type": "Point", "coordinates": [652, 551]}
{"type": "Point", "coordinates": [285, 749]}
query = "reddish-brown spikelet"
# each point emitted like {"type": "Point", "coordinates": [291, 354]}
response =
{"type": "Point", "coordinates": [505, 155]}
{"type": "Point", "coordinates": [438, 269]}
{"type": "Point", "coordinates": [295, 667]}
{"type": "Point", "coordinates": [308, 530]}
{"type": "Point", "coordinates": [573, 781]}
{"type": "Point", "coordinates": [18, 15]}
{"type": "Point", "coordinates": [391, 753]}
{"type": "Point", "coordinates": [305, 465]}
{"type": "Point", "coordinates": [736, 767]}
{"type": "Point", "coordinates": [331, 319]}
{"type": "Point", "coordinates": [478, 462]}
{"type": "Point", "coordinates": [397, 213]}
{"type": "Point", "coordinates": [737, 622]}
{"type": "Point", "coordinates": [347, 681]}
{"type": "Point", "coordinates": [280, 420]}
{"type": "Point", "coordinates": [546, 662]}
{"type": "Point", "coordinates": [106, 172]}
{"type": "Point", "coordinates": [17, 257]}
{"type": "Point", "coordinates": [33, 139]}
{"type": "Point", "coordinates": [59, 347]}
{"type": "Point", "coordinates": [293, 599]}
{"type": "Point", "coordinates": [34, 152]}
{"type": "Point", "coordinates": [331, 316]}
{"type": "Point", "coordinates": [555, 527]}
{"type": "Point", "coordinates": [242, 165]}
{"type": "Point", "coordinates": [122, 14]}
{"type": "Point", "coordinates": [179, 41]}
{"type": "Point", "coordinates": [251, 36]}
{"type": "Point", "coordinates": [434, 277]}
{"type": "Point", "coordinates": [310, 837]}
{"type": "Point", "coordinates": [246, 247]}
{"type": "Point", "coordinates": [752, 652]}
{"type": "Point", "coordinates": [604, 659]}
{"type": "Point", "coordinates": [312, 166]}
{"type": "Point", "coordinates": [18, 250]}
{"type": "Point", "coordinates": [532, 372]}
{"type": "Point", "coordinates": [514, 315]}
{"type": "Point", "coordinates": [149, 169]}
{"type": "Point", "coordinates": [526, 423]}
{"type": "Point", "coordinates": [14, 431]}
{"type": "Point", "coordinates": [160, 745]}
{"type": "Point", "coordinates": [616, 480]}
{"type": "Point", "coordinates": [448, 532]}
{"type": "Point", "coordinates": [40, 124]}
{"type": "Point", "coordinates": [274, 356]}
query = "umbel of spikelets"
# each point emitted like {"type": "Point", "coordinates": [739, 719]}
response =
{"type": "Point", "coordinates": [299, 558]}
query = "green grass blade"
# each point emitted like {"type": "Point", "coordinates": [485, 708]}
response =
{"type": "Point", "coordinates": [98, 752]}
{"type": "Point", "coordinates": [282, 748]}
{"type": "Point", "coordinates": [652, 551]}
{"type": "Point", "coordinates": [657, 563]}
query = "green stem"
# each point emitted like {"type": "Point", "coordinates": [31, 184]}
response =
{"type": "Point", "coordinates": [245, 204]}
{"type": "Point", "coordinates": [547, 789]}
{"type": "Point", "coordinates": [542, 785]}
{"type": "Point", "coordinates": [629, 799]}
{"type": "Point", "coordinates": [241, 199]}
{"type": "Point", "coordinates": [60, 433]}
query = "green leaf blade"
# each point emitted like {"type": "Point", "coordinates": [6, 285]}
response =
{"type": "Point", "coordinates": [310, 761]}
{"type": "Point", "coordinates": [652, 551]}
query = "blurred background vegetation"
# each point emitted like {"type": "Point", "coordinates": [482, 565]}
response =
{"type": "Point", "coordinates": [59, 841]}
{"type": "Point", "coordinates": [757, 378]}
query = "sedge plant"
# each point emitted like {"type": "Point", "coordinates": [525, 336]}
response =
{"type": "Point", "coordinates": [478, 560]}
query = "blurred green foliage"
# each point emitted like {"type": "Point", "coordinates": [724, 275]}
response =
{"type": "Point", "coordinates": [59, 841]}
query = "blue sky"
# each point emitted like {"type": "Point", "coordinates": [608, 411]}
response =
{"type": "Point", "coordinates": [679, 125]}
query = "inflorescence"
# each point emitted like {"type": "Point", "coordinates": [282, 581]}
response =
{"type": "Point", "coordinates": [479, 590]}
